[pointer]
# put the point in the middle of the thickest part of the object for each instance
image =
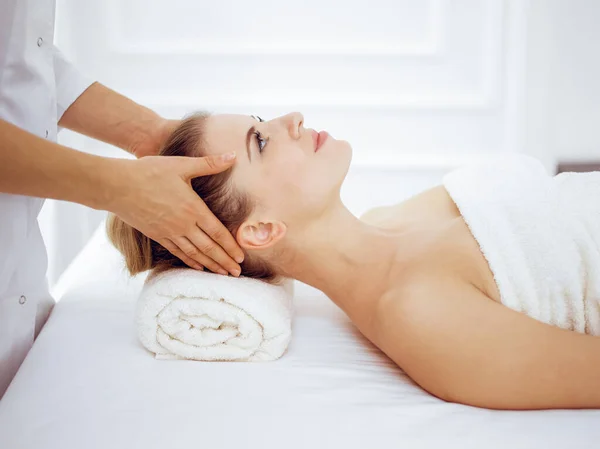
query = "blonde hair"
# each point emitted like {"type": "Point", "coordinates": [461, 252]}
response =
{"type": "Point", "coordinates": [229, 206]}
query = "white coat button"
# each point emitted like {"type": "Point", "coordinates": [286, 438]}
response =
{"type": "Point", "coordinates": [40, 41]}
{"type": "Point", "coordinates": [22, 299]}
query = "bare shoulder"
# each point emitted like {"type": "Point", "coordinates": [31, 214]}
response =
{"type": "Point", "coordinates": [420, 290]}
{"type": "Point", "coordinates": [411, 300]}
{"type": "Point", "coordinates": [462, 346]}
{"type": "Point", "coordinates": [411, 321]}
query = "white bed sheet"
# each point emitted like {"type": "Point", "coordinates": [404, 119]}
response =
{"type": "Point", "coordinates": [88, 383]}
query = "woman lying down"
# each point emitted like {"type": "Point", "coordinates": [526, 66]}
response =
{"type": "Point", "coordinates": [485, 289]}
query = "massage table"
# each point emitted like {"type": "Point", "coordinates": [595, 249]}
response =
{"type": "Point", "coordinates": [89, 384]}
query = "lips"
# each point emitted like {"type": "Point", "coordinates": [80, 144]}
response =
{"type": "Point", "coordinates": [315, 138]}
{"type": "Point", "coordinates": [318, 139]}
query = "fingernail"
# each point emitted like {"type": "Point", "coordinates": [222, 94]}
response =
{"type": "Point", "coordinates": [239, 259]}
{"type": "Point", "coordinates": [235, 272]}
{"type": "Point", "coordinates": [223, 272]}
{"type": "Point", "coordinates": [199, 267]}
{"type": "Point", "coordinates": [228, 157]}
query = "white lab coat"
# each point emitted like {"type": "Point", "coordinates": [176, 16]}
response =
{"type": "Point", "coordinates": [36, 86]}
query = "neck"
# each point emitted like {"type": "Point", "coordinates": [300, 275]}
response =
{"type": "Point", "coordinates": [344, 257]}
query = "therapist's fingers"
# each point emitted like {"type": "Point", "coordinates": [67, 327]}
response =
{"type": "Point", "coordinates": [206, 243]}
{"type": "Point", "coordinates": [197, 255]}
{"type": "Point", "coordinates": [174, 249]}
{"type": "Point", "coordinates": [206, 220]}
{"type": "Point", "coordinates": [212, 230]}
{"type": "Point", "coordinates": [204, 246]}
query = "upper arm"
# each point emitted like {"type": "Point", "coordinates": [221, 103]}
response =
{"type": "Point", "coordinates": [461, 346]}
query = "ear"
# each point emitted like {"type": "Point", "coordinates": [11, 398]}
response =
{"type": "Point", "coordinates": [260, 234]}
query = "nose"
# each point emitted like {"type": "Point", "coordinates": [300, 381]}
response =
{"type": "Point", "coordinates": [293, 122]}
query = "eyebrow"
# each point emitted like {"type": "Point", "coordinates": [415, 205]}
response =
{"type": "Point", "coordinates": [249, 134]}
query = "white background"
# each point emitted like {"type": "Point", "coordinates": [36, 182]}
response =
{"type": "Point", "coordinates": [417, 87]}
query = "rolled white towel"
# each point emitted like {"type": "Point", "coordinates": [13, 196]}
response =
{"type": "Point", "coordinates": [188, 314]}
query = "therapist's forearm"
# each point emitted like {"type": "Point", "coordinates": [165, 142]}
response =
{"type": "Point", "coordinates": [103, 114]}
{"type": "Point", "coordinates": [32, 166]}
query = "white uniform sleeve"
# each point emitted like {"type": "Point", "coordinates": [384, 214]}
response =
{"type": "Point", "coordinates": [70, 82]}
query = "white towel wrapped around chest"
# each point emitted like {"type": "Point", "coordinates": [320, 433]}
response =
{"type": "Point", "coordinates": [540, 235]}
{"type": "Point", "coordinates": [187, 314]}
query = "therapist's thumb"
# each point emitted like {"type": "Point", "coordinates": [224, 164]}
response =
{"type": "Point", "coordinates": [208, 165]}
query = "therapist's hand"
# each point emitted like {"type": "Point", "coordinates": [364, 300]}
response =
{"type": "Point", "coordinates": [151, 144]}
{"type": "Point", "coordinates": [155, 197]}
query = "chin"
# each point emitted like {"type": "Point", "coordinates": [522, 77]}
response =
{"type": "Point", "coordinates": [345, 150]}
{"type": "Point", "coordinates": [347, 147]}
{"type": "Point", "coordinates": [344, 144]}
{"type": "Point", "coordinates": [334, 165]}
{"type": "Point", "coordinates": [337, 149]}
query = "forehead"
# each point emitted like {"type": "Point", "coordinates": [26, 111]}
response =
{"type": "Point", "coordinates": [226, 132]}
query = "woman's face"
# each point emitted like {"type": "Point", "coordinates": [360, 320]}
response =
{"type": "Point", "coordinates": [277, 164]}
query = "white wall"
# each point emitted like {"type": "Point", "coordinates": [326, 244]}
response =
{"type": "Point", "coordinates": [563, 80]}
{"type": "Point", "coordinates": [417, 87]}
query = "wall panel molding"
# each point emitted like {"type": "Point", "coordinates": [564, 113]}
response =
{"type": "Point", "coordinates": [484, 93]}
{"type": "Point", "coordinates": [431, 45]}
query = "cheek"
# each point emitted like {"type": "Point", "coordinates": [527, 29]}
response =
{"type": "Point", "coordinates": [298, 182]}
{"type": "Point", "coordinates": [285, 186]}
{"type": "Point", "coordinates": [285, 170]}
